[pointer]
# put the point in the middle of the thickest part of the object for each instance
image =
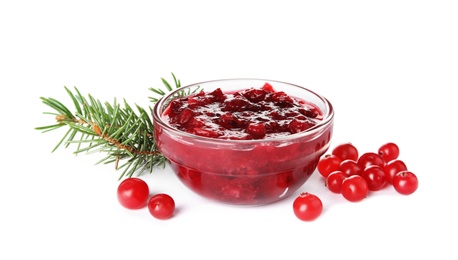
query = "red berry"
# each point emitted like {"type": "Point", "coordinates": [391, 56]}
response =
{"type": "Point", "coordinates": [375, 177]}
{"type": "Point", "coordinates": [350, 167]}
{"type": "Point", "coordinates": [307, 206]}
{"type": "Point", "coordinates": [161, 206]}
{"type": "Point", "coordinates": [370, 158]}
{"type": "Point", "coordinates": [334, 181]}
{"type": "Point", "coordinates": [354, 188]}
{"type": "Point", "coordinates": [133, 193]}
{"type": "Point", "coordinates": [405, 182]}
{"type": "Point", "coordinates": [389, 151]}
{"type": "Point", "coordinates": [327, 164]}
{"type": "Point", "coordinates": [346, 151]}
{"type": "Point", "coordinates": [392, 168]}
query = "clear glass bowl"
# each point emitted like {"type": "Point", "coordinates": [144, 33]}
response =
{"type": "Point", "coordinates": [244, 172]}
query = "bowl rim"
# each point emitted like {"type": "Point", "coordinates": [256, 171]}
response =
{"type": "Point", "coordinates": [327, 118]}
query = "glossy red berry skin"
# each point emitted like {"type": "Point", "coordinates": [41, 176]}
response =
{"type": "Point", "coordinates": [334, 181]}
{"type": "Point", "coordinates": [350, 167]}
{"type": "Point", "coordinates": [133, 193]}
{"type": "Point", "coordinates": [389, 151]}
{"type": "Point", "coordinates": [346, 151]}
{"type": "Point", "coordinates": [392, 168]}
{"type": "Point", "coordinates": [307, 206]}
{"type": "Point", "coordinates": [355, 188]}
{"type": "Point", "coordinates": [375, 177]}
{"type": "Point", "coordinates": [370, 158]}
{"type": "Point", "coordinates": [327, 164]}
{"type": "Point", "coordinates": [405, 182]}
{"type": "Point", "coordinates": [161, 206]}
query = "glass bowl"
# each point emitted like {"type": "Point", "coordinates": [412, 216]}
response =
{"type": "Point", "coordinates": [244, 172]}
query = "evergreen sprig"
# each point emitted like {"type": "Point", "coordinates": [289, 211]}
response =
{"type": "Point", "coordinates": [123, 133]}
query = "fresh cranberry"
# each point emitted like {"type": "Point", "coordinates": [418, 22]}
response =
{"type": "Point", "coordinates": [328, 164]}
{"type": "Point", "coordinates": [375, 177]}
{"type": "Point", "coordinates": [334, 181]}
{"type": "Point", "coordinates": [389, 151]}
{"type": "Point", "coordinates": [350, 167]}
{"type": "Point", "coordinates": [392, 168]}
{"type": "Point", "coordinates": [346, 151]}
{"type": "Point", "coordinates": [405, 182]}
{"type": "Point", "coordinates": [370, 158]}
{"type": "Point", "coordinates": [354, 188]}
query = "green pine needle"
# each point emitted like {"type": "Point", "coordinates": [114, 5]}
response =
{"type": "Point", "coordinates": [124, 133]}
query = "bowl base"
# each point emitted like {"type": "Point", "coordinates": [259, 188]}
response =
{"type": "Point", "coordinates": [244, 189]}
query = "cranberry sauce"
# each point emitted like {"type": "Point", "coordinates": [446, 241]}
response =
{"type": "Point", "coordinates": [275, 157]}
{"type": "Point", "coordinates": [243, 115]}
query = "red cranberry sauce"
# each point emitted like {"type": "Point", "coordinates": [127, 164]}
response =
{"type": "Point", "coordinates": [244, 173]}
{"type": "Point", "coordinates": [243, 115]}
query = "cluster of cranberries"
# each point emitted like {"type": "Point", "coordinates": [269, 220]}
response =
{"type": "Point", "coordinates": [354, 175]}
{"type": "Point", "coordinates": [345, 172]}
{"type": "Point", "coordinates": [133, 193]}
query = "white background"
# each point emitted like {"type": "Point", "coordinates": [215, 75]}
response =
{"type": "Point", "coordinates": [388, 67]}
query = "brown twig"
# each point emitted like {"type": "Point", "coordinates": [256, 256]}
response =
{"type": "Point", "coordinates": [117, 143]}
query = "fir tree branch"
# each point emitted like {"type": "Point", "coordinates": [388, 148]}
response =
{"type": "Point", "coordinates": [123, 133]}
{"type": "Point", "coordinates": [169, 88]}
